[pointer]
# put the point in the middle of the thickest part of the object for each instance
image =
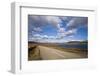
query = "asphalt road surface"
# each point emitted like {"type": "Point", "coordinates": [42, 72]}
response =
{"type": "Point", "coordinates": [47, 53]}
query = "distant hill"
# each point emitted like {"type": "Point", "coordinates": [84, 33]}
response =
{"type": "Point", "coordinates": [78, 42]}
{"type": "Point", "coordinates": [70, 42]}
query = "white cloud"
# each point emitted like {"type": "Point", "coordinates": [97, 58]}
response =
{"type": "Point", "coordinates": [71, 22]}
{"type": "Point", "coordinates": [37, 29]}
{"type": "Point", "coordinates": [71, 31]}
{"type": "Point", "coordinates": [66, 18]}
{"type": "Point", "coordinates": [61, 30]}
{"type": "Point", "coordinates": [37, 22]}
{"type": "Point", "coordinates": [36, 35]}
{"type": "Point", "coordinates": [58, 26]}
{"type": "Point", "coordinates": [67, 33]}
{"type": "Point", "coordinates": [53, 20]}
{"type": "Point", "coordinates": [72, 26]}
{"type": "Point", "coordinates": [43, 37]}
{"type": "Point", "coordinates": [71, 36]}
{"type": "Point", "coordinates": [76, 22]}
{"type": "Point", "coordinates": [50, 39]}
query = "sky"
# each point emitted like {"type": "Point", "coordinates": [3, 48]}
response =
{"type": "Point", "coordinates": [43, 28]}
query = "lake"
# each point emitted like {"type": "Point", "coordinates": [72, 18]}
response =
{"type": "Point", "coordinates": [79, 46]}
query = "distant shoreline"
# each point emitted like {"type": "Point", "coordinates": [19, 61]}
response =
{"type": "Point", "coordinates": [82, 52]}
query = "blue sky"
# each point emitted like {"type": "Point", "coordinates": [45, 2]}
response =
{"type": "Point", "coordinates": [57, 28]}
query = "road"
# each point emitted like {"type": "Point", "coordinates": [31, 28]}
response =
{"type": "Point", "coordinates": [50, 53]}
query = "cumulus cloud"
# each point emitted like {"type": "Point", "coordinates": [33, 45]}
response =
{"type": "Point", "coordinates": [76, 22]}
{"type": "Point", "coordinates": [67, 33]}
{"type": "Point", "coordinates": [61, 30]}
{"type": "Point", "coordinates": [53, 20]}
{"type": "Point", "coordinates": [72, 24]}
{"type": "Point", "coordinates": [40, 37]}
{"type": "Point", "coordinates": [36, 23]}
{"type": "Point", "coordinates": [39, 21]}
{"type": "Point", "coordinates": [66, 18]}
{"type": "Point", "coordinates": [71, 32]}
{"type": "Point", "coordinates": [71, 36]}
{"type": "Point", "coordinates": [37, 29]}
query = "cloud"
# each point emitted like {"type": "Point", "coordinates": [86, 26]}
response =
{"type": "Point", "coordinates": [36, 23]}
{"type": "Point", "coordinates": [72, 25]}
{"type": "Point", "coordinates": [66, 18]}
{"type": "Point", "coordinates": [61, 30]}
{"type": "Point", "coordinates": [39, 21]}
{"type": "Point", "coordinates": [71, 31]}
{"type": "Point", "coordinates": [71, 36]}
{"type": "Point", "coordinates": [43, 37]}
{"type": "Point", "coordinates": [77, 22]}
{"type": "Point", "coordinates": [38, 36]}
{"type": "Point", "coordinates": [37, 29]}
{"type": "Point", "coordinates": [67, 33]}
{"type": "Point", "coordinates": [53, 20]}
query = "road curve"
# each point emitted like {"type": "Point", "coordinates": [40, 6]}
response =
{"type": "Point", "coordinates": [51, 53]}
